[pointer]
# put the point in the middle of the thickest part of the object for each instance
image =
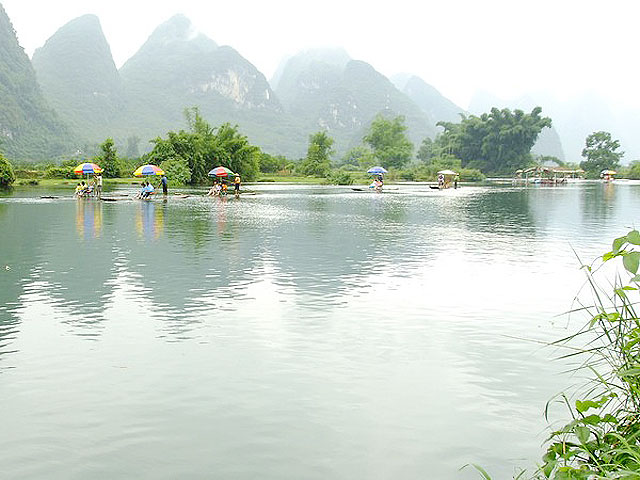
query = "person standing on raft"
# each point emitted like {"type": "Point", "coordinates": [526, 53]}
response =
{"type": "Point", "coordinates": [164, 182]}
{"type": "Point", "coordinates": [236, 185]}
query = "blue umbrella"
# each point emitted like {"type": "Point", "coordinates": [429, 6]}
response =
{"type": "Point", "coordinates": [376, 171]}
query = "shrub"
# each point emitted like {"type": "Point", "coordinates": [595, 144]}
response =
{"type": "Point", "coordinates": [59, 172]}
{"type": "Point", "coordinates": [340, 177]}
{"type": "Point", "coordinates": [177, 171]}
{"type": "Point", "coordinates": [7, 175]}
{"type": "Point", "coordinates": [27, 173]}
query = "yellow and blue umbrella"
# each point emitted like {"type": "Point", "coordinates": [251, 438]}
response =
{"type": "Point", "coordinates": [87, 169]}
{"type": "Point", "coordinates": [146, 170]}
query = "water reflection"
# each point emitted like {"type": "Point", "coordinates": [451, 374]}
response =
{"type": "Point", "coordinates": [598, 200]}
{"type": "Point", "coordinates": [88, 218]}
{"type": "Point", "coordinates": [150, 219]}
{"type": "Point", "coordinates": [358, 307]}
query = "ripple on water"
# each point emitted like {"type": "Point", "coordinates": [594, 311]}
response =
{"type": "Point", "coordinates": [170, 339]}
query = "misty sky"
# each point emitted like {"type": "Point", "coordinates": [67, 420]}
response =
{"type": "Point", "coordinates": [506, 47]}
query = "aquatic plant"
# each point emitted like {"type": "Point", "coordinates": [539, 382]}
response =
{"type": "Point", "coordinates": [602, 439]}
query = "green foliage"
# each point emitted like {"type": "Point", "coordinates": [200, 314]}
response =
{"type": "Point", "coordinates": [30, 181]}
{"type": "Point", "coordinates": [133, 147]}
{"type": "Point", "coordinates": [177, 171]}
{"type": "Point", "coordinates": [7, 175]}
{"type": "Point", "coordinates": [426, 151]}
{"type": "Point", "coordinates": [340, 177]}
{"type": "Point", "coordinates": [359, 156]}
{"type": "Point", "coordinates": [388, 141]}
{"type": "Point", "coordinates": [317, 162]}
{"type": "Point", "coordinates": [129, 165]}
{"type": "Point", "coordinates": [632, 171]}
{"type": "Point", "coordinates": [109, 160]}
{"type": "Point", "coordinates": [204, 148]}
{"type": "Point", "coordinates": [429, 173]}
{"type": "Point", "coordinates": [600, 154]}
{"type": "Point", "coordinates": [235, 152]}
{"type": "Point", "coordinates": [272, 163]}
{"type": "Point", "coordinates": [59, 172]}
{"type": "Point", "coordinates": [603, 438]}
{"type": "Point", "coordinates": [495, 143]}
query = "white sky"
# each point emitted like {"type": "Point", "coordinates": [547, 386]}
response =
{"type": "Point", "coordinates": [505, 47]}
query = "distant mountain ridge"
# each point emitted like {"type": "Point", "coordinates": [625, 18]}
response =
{"type": "Point", "coordinates": [78, 76]}
{"type": "Point", "coordinates": [178, 67]}
{"type": "Point", "coordinates": [29, 128]}
{"type": "Point", "coordinates": [428, 98]}
{"type": "Point", "coordinates": [327, 90]}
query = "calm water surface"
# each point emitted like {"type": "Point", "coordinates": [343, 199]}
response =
{"type": "Point", "coordinates": [302, 333]}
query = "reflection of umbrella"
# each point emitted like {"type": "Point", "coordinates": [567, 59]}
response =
{"type": "Point", "coordinates": [87, 168]}
{"type": "Point", "coordinates": [376, 171]}
{"type": "Point", "coordinates": [220, 172]}
{"type": "Point", "coordinates": [447, 172]}
{"type": "Point", "coordinates": [145, 170]}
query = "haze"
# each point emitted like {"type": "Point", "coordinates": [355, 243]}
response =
{"type": "Point", "coordinates": [506, 48]}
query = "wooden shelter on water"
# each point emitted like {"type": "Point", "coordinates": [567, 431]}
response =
{"type": "Point", "coordinates": [547, 175]}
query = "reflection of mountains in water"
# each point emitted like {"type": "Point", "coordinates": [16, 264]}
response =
{"type": "Point", "coordinates": [185, 263]}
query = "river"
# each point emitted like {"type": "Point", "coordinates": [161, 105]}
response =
{"type": "Point", "coordinates": [299, 333]}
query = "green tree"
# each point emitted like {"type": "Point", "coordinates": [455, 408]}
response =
{"type": "Point", "coordinates": [388, 141]}
{"type": "Point", "coordinates": [359, 156]}
{"type": "Point", "coordinates": [600, 153]}
{"type": "Point", "coordinates": [133, 147]}
{"type": "Point", "coordinates": [108, 159]}
{"type": "Point", "coordinates": [7, 175]}
{"type": "Point", "coordinates": [233, 150]}
{"type": "Point", "coordinates": [177, 171]}
{"type": "Point", "coordinates": [498, 142]}
{"type": "Point", "coordinates": [204, 147]}
{"type": "Point", "coordinates": [426, 151]}
{"type": "Point", "coordinates": [272, 163]}
{"type": "Point", "coordinates": [633, 171]}
{"type": "Point", "coordinates": [317, 161]}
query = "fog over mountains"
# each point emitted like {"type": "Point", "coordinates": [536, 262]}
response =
{"type": "Point", "coordinates": [80, 98]}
